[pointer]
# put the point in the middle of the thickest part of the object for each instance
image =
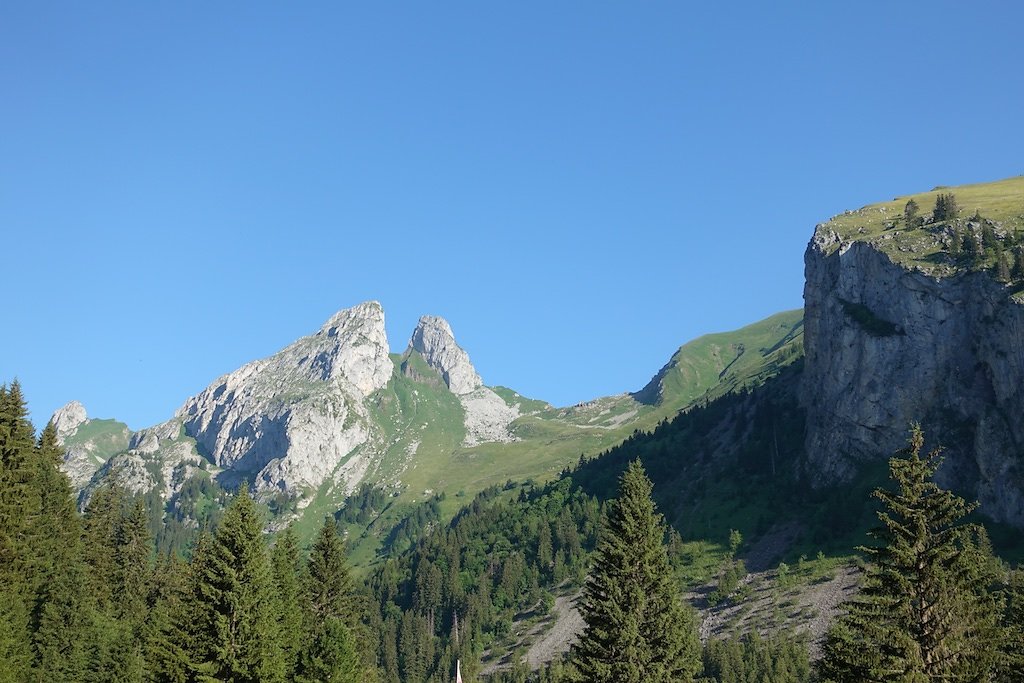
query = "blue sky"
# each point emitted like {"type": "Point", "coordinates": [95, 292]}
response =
{"type": "Point", "coordinates": [578, 187]}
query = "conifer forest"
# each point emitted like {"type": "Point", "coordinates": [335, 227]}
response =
{"type": "Point", "coordinates": [87, 596]}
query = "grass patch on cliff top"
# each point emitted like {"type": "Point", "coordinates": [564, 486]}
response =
{"type": "Point", "coordinates": [882, 224]}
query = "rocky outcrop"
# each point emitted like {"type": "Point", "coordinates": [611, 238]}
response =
{"type": "Point", "coordinates": [68, 419]}
{"type": "Point", "coordinates": [487, 415]}
{"type": "Point", "coordinates": [433, 339]}
{"type": "Point", "coordinates": [887, 345]}
{"type": "Point", "coordinates": [314, 413]}
{"type": "Point", "coordinates": [288, 422]}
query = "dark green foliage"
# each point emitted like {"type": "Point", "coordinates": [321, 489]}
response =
{"type": "Point", "coordinates": [910, 215]}
{"type": "Point", "coordinates": [1017, 271]}
{"type": "Point", "coordinates": [364, 505]}
{"type": "Point", "coordinates": [237, 590]}
{"type": "Point", "coordinates": [946, 207]}
{"type": "Point", "coordinates": [331, 657]}
{"type": "Point", "coordinates": [926, 612]}
{"type": "Point", "coordinates": [333, 614]}
{"type": "Point", "coordinates": [285, 560]}
{"type": "Point", "coordinates": [637, 628]}
{"type": "Point", "coordinates": [478, 572]}
{"type": "Point", "coordinates": [199, 504]}
{"type": "Point", "coordinates": [781, 658]}
{"type": "Point", "coordinates": [1012, 662]}
{"type": "Point", "coordinates": [100, 535]}
{"type": "Point", "coordinates": [729, 577]}
{"type": "Point", "coordinates": [329, 581]}
{"type": "Point", "coordinates": [1002, 266]}
{"type": "Point", "coordinates": [868, 320]}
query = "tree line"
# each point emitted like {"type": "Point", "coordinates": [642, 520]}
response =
{"type": "Point", "coordinates": [85, 597]}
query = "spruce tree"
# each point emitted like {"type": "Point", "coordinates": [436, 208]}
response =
{"type": "Point", "coordinates": [237, 590]}
{"type": "Point", "coordinates": [99, 531]}
{"type": "Point", "coordinates": [1011, 664]}
{"type": "Point", "coordinates": [17, 507]}
{"type": "Point", "coordinates": [162, 634]}
{"type": "Point", "coordinates": [329, 586]}
{"type": "Point", "coordinates": [333, 617]}
{"type": "Point", "coordinates": [63, 614]}
{"type": "Point", "coordinates": [927, 612]}
{"type": "Point", "coordinates": [331, 657]}
{"type": "Point", "coordinates": [910, 214]}
{"type": "Point", "coordinates": [290, 608]}
{"type": "Point", "coordinates": [637, 628]}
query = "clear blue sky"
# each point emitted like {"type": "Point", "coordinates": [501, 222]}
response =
{"type": "Point", "coordinates": [578, 187]}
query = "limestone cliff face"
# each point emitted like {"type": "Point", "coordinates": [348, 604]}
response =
{"type": "Point", "coordinates": [433, 339]}
{"type": "Point", "coordinates": [487, 415]}
{"type": "Point", "coordinates": [289, 421]}
{"type": "Point", "coordinates": [317, 412]}
{"type": "Point", "coordinates": [68, 419]}
{"type": "Point", "coordinates": [887, 345]}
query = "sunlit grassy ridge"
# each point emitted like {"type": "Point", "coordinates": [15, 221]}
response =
{"type": "Point", "coordinates": [883, 225]}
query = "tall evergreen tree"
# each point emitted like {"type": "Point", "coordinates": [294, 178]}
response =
{"type": "Point", "coordinates": [17, 507]}
{"type": "Point", "coordinates": [237, 588]}
{"type": "Point", "coordinates": [637, 628]}
{"type": "Point", "coordinates": [926, 612]}
{"type": "Point", "coordinates": [1011, 665]}
{"type": "Point", "coordinates": [329, 585]}
{"type": "Point", "coordinates": [63, 615]}
{"type": "Point", "coordinates": [333, 615]}
{"type": "Point", "coordinates": [290, 607]}
{"type": "Point", "coordinates": [99, 530]}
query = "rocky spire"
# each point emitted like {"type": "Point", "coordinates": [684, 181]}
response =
{"type": "Point", "coordinates": [433, 339]}
{"type": "Point", "coordinates": [68, 419]}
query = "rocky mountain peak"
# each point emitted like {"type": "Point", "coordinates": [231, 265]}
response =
{"type": "Point", "coordinates": [68, 419]}
{"type": "Point", "coordinates": [433, 339]}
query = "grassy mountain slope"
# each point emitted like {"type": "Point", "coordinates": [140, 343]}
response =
{"type": "Point", "coordinates": [422, 424]}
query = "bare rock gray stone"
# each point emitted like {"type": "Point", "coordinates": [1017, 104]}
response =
{"type": "Point", "coordinates": [288, 422]}
{"type": "Point", "coordinates": [68, 418]}
{"type": "Point", "coordinates": [433, 339]}
{"type": "Point", "coordinates": [886, 346]}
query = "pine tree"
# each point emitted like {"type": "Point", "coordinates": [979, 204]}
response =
{"type": "Point", "coordinates": [237, 590]}
{"type": "Point", "coordinates": [163, 629]}
{"type": "Point", "coordinates": [1002, 266]}
{"type": "Point", "coordinates": [132, 554]}
{"type": "Point", "coordinates": [16, 510]}
{"type": "Point", "coordinates": [99, 532]}
{"type": "Point", "coordinates": [333, 615]}
{"type": "Point", "coordinates": [927, 611]}
{"type": "Point", "coordinates": [63, 614]}
{"type": "Point", "coordinates": [290, 609]}
{"type": "Point", "coordinates": [637, 628]}
{"type": "Point", "coordinates": [329, 585]}
{"type": "Point", "coordinates": [910, 214]}
{"type": "Point", "coordinates": [946, 207]}
{"type": "Point", "coordinates": [331, 657]}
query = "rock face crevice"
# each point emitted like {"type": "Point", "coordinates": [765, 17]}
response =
{"type": "Point", "coordinates": [886, 346]}
{"type": "Point", "coordinates": [287, 422]}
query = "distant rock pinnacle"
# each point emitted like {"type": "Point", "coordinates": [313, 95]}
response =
{"type": "Point", "coordinates": [68, 419]}
{"type": "Point", "coordinates": [433, 339]}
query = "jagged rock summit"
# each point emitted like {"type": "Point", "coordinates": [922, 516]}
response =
{"type": "Point", "coordinates": [322, 411]}
{"type": "Point", "coordinates": [68, 418]}
{"type": "Point", "coordinates": [487, 416]}
{"type": "Point", "coordinates": [291, 420]}
{"type": "Point", "coordinates": [433, 339]}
